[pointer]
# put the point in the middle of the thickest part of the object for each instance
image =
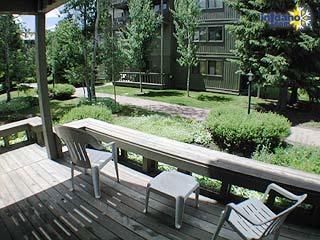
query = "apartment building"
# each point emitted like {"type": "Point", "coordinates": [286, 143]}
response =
{"type": "Point", "coordinates": [214, 72]}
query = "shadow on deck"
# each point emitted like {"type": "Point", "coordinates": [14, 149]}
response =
{"type": "Point", "coordinates": [36, 203]}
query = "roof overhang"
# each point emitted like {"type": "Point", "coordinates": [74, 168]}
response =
{"type": "Point", "coordinates": [29, 7]}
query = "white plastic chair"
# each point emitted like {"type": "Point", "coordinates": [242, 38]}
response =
{"type": "Point", "coordinates": [77, 141]}
{"type": "Point", "coordinates": [252, 219]}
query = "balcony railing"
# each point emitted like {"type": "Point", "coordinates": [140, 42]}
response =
{"type": "Point", "coordinates": [147, 78]}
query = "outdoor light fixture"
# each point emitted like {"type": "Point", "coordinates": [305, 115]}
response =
{"type": "Point", "coordinates": [250, 78]}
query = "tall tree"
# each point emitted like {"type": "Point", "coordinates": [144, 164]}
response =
{"type": "Point", "coordinates": [84, 14]}
{"type": "Point", "coordinates": [186, 14]}
{"type": "Point", "coordinates": [275, 55]}
{"type": "Point", "coordinates": [64, 53]}
{"type": "Point", "coordinates": [111, 57]}
{"type": "Point", "coordinates": [144, 22]}
{"type": "Point", "coordinates": [10, 51]}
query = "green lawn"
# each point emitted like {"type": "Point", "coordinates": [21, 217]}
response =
{"type": "Point", "coordinates": [198, 99]}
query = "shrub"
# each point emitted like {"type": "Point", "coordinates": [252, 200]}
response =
{"type": "Point", "coordinates": [305, 158]}
{"type": "Point", "coordinates": [62, 91]}
{"type": "Point", "coordinates": [96, 112]}
{"type": "Point", "coordinates": [18, 104]}
{"type": "Point", "coordinates": [170, 127]}
{"type": "Point", "coordinates": [234, 130]}
{"type": "Point", "coordinates": [105, 102]}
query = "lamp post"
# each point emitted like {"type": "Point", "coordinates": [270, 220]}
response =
{"type": "Point", "coordinates": [250, 77]}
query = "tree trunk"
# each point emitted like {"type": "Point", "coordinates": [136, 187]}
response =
{"type": "Point", "coordinates": [85, 56]}
{"type": "Point", "coordinates": [259, 90]}
{"type": "Point", "coordinates": [294, 96]}
{"type": "Point", "coordinates": [140, 79]}
{"type": "Point", "coordinates": [188, 81]}
{"type": "Point", "coordinates": [7, 59]}
{"type": "Point", "coordinates": [283, 97]}
{"type": "Point", "coordinates": [94, 51]}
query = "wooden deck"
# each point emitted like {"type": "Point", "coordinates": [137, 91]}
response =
{"type": "Point", "coordinates": [35, 203]}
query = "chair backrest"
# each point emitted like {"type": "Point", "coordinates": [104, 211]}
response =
{"type": "Point", "coordinates": [76, 141]}
{"type": "Point", "coordinates": [281, 217]}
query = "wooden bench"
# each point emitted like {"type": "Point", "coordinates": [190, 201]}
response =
{"type": "Point", "coordinates": [228, 168]}
{"type": "Point", "coordinates": [31, 126]}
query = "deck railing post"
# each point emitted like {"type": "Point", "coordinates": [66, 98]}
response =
{"type": "Point", "coordinates": [149, 165]}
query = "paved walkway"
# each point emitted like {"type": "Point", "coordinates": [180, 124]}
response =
{"type": "Point", "coordinates": [299, 135]}
{"type": "Point", "coordinates": [156, 106]}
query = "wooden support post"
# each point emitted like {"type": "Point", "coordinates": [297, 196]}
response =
{"type": "Point", "coordinates": [43, 86]}
{"type": "Point", "coordinates": [6, 141]}
{"type": "Point", "coordinates": [122, 155]}
{"type": "Point", "coordinates": [149, 165]}
{"type": "Point", "coordinates": [225, 190]}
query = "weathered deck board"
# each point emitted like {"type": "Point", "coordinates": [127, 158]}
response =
{"type": "Point", "coordinates": [36, 203]}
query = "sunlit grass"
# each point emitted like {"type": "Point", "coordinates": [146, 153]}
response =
{"type": "Point", "coordinates": [198, 99]}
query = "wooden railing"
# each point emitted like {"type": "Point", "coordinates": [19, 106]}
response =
{"type": "Point", "coordinates": [149, 78]}
{"type": "Point", "coordinates": [31, 128]}
{"type": "Point", "coordinates": [230, 169]}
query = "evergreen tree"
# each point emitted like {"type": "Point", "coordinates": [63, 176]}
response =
{"type": "Point", "coordinates": [144, 22]}
{"type": "Point", "coordinates": [11, 52]}
{"type": "Point", "coordinates": [282, 57]}
{"type": "Point", "coordinates": [186, 14]}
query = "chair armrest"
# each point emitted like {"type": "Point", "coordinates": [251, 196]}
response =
{"type": "Point", "coordinates": [232, 206]}
{"type": "Point", "coordinates": [280, 190]}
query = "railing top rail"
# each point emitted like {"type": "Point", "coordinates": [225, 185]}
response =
{"type": "Point", "coordinates": [34, 122]}
{"type": "Point", "coordinates": [196, 159]}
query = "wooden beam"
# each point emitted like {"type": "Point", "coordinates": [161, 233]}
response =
{"type": "Point", "coordinates": [19, 6]}
{"type": "Point", "coordinates": [45, 6]}
{"type": "Point", "coordinates": [43, 86]}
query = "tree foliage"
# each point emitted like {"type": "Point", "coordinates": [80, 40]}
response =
{"type": "Point", "coordinates": [281, 57]}
{"type": "Point", "coordinates": [13, 57]}
{"type": "Point", "coordinates": [144, 22]}
{"type": "Point", "coordinates": [186, 14]}
{"type": "Point", "coordinates": [64, 51]}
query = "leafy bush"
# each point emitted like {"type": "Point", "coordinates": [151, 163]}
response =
{"type": "Point", "coordinates": [96, 112]}
{"type": "Point", "coordinates": [305, 158]}
{"type": "Point", "coordinates": [105, 102]}
{"type": "Point", "coordinates": [18, 104]}
{"type": "Point", "coordinates": [170, 127]}
{"type": "Point", "coordinates": [234, 130]}
{"type": "Point", "coordinates": [62, 91]}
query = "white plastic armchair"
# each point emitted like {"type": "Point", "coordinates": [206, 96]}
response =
{"type": "Point", "coordinates": [77, 141]}
{"type": "Point", "coordinates": [252, 219]}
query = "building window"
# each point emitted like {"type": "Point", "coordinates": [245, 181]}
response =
{"type": "Point", "coordinates": [211, 4]}
{"type": "Point", "coordinates": [203, 4]}
{"type": "Point", "coordinates": [203, 67]}
{"type": "Point", "coordinates": [211, 67]}
{"type": "Point", "coordinates": [215, 68]}
{"type": "Point", "coordinates": [215, 4]}
{"type": "Point", "coordinates": [209, 34]}
{"type": "Point", "coordinates": [200, 34]}
{"type": "Point", "coordinates": [157, 7]}
{"type": "Point", "coordinates": [215, 33]}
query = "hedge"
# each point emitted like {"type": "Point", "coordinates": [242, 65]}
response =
{"type": "Point", "coordinates": [96, 112]}
{"type": "Point", "coordinates": [236, 131]}
{"type": "Point", "coordinates": [62, 91]}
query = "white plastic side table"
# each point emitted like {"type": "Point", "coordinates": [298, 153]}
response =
{"type": "Point", "coordinates": [175, 185]}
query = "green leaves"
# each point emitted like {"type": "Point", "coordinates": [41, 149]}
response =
{"type": "Point", "coordinates": [277, 56]}
{"type": "Point", "coordinates": [144, 21]}
{"type": "Point", "coordinates": [186, 14]}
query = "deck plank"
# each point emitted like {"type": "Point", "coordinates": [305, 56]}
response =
{"type": "Point", "coordinates": [35, 202]}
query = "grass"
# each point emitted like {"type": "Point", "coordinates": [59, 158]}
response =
{"type": "Point", "coordinates": [203, 100]}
